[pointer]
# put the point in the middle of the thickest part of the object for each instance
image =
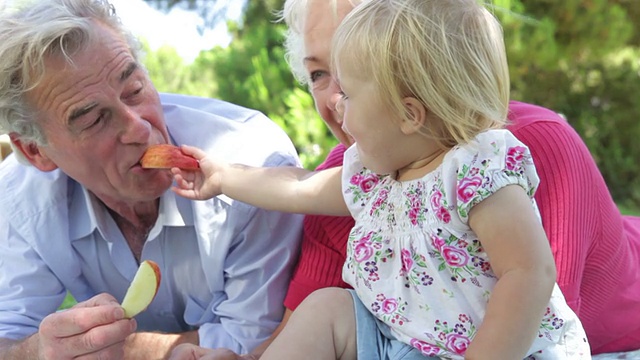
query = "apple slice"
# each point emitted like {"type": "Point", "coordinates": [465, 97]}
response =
{"type": "Point", "coordinates": [142, 290]}
{"type": "Point", "coordinates": [166, 156]}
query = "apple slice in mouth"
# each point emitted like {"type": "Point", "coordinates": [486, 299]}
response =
{"type": "Point", "coordinates": [142, 289]}
{"type": "Point", "coordinates": [167, 156]}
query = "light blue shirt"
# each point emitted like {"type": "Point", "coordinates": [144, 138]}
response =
{"type": "Point", "coordinates": [225, 265]}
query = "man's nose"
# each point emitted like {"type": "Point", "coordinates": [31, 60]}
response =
{"type": "Point", "coordinates": [135, 128]}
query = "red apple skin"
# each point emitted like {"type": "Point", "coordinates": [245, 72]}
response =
{"type": "Point", "coordinates": [156, 270]}
{"type": "Point", "coordinates": [166, 156]}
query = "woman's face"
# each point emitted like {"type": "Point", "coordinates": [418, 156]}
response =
{"type": "Point", "coordinates": [320, 25]}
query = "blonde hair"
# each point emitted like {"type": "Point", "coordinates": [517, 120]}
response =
{"type": "Point", "coordinates": [30, 32]}
{"type": "Point", "coordinates": [294, 14]}
{"type": "Point", "coordinates": [448, 54]}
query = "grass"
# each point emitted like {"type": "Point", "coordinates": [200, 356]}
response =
{"type": "Point", "coordinates": [629, 211]}
{"type": "Point", "coordinates": [68, 302]}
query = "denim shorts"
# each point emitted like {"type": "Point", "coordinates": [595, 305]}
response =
{"type": "Point", "coordinates": [374, 339]}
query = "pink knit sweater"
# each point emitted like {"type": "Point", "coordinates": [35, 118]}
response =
{"type": "Point", "coordinates": [597, 251]}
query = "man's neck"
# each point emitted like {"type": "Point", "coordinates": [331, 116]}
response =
{"type": "Point", "coordinates": [134, 221]}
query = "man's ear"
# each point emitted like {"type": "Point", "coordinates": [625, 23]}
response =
{"type": "Point", "coordinates": [416, 116]}
{"type": "Point", "coordinates": [32, 153]}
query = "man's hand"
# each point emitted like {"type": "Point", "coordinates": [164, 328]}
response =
{"type": "Point", "coordinates": [94, 328]}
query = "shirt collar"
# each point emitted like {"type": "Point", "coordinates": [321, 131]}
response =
{"type": "Point", "coordinates": [87, 214]}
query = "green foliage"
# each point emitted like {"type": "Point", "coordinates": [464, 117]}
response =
{"type": "Point", "coordinates": [251, 72]}
{"type": "Point", "coordinates": [211, 11]}
{"type": "Point", "coordinates": [305, 128]}
{"type": "Point", "coordinates": [169, 73]}
{"type": "Point", "coordinates": [580, 58]}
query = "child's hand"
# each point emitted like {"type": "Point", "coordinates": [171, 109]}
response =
{"type": "Point", "coordinates": [200, 184]}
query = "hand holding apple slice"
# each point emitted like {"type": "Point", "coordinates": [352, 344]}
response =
{"type": "Point", "coordinates": [142, 290]}
{"type": "Point", "coordinates": [166, 156]}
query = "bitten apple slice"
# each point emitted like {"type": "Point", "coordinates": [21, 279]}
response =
{"type": "Point", "coordinates": [142, 290]}
{"type": "Point", "coordinates": [166, 156]}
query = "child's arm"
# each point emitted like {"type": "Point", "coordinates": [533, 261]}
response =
{"type": "Point", "coordinates": [288, 189]}
{"type": "Point", "coordinates": [513, 237]}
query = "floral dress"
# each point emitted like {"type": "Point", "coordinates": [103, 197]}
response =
{"type": "Point", "coordinates": [415, 263]}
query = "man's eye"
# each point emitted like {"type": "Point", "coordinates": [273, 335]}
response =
{"type": "Point", "coordinates": [136, 92]}
{"type": "Point", "coordinates": [101, 117]}
{"type": "Point", "coordinates": [97, 121]}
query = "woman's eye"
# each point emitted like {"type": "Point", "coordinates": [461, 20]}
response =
{"type": "Point", "coordinates": [343, 95]}
{"type": "Point", "coordinates": [315, 75]}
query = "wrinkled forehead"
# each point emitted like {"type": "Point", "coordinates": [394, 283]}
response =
{"type": "Point", "coordinates": [329, 11]}
{"type": "Point", "coordinates": [322, 18]}
{"type": "Point", "coordinates": [70, 80]}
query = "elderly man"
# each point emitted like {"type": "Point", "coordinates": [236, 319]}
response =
{"type": "Point", "coordinates": [78, 213]}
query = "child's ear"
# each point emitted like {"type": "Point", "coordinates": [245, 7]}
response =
{"type": "Point", "coordinates": [416, 116]}
{"type": "Point", "coordinates": [32, 153]}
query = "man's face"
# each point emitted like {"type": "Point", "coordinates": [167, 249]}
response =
{"type": "Point", "coordinates": [99, 115]}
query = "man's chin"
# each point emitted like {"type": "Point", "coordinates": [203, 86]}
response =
{"type": "Point", "coordinates": [154, 186]}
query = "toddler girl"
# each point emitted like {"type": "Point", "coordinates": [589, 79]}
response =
{"type": "Point", "coordinates": [448, 257]}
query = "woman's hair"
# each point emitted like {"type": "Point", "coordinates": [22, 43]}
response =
{"type": "Point", "coordinates": [448, 54]}
{"type": "Point", "coordinates": [34, 30]}
{"type": "Point", "coordinates": [294, 14]}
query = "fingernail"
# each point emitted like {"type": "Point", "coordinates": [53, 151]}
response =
{"type": "Point", "coordinates": [118, 313]}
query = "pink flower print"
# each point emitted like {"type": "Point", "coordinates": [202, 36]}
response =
{"type": "Point", "coordinates": [425, 349]}
{"type": "Point", "coordinates": [515, 156]}
{"type": "Point", "coordinates": [389, 306]}
{"type": "Point", "coordinates": [356, 179]}
{"type": "Point", "coordinates": [444, 215]}
{"type": "Point", "coordinates": [363, 250]}
{"type": "Point", "coordinates": [454, 256]}
{"type": "Point", "coordinates": [369, 182]}
{"type": "Point", "coordinates": [407, 261]}
{"type": "Point", "coordinates": [382, 197]}
{"type": "Point", "coordinates": [468, 187]}
{"type": "Point", "coordinates": [436, 199]}
{"type": "Point", "coordinates": [457, 343]}
{"type": "Point", "coordinates": [413, 216]}
{"type": "Point", "coordinates": [437, 242]}
{"type": "Point", "coordinates": [415, 201]}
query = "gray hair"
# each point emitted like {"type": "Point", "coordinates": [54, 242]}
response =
{"type": "Point", "coordinates": [294, 14]}
{"type": "Point", "coordinates": [30, 32]}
